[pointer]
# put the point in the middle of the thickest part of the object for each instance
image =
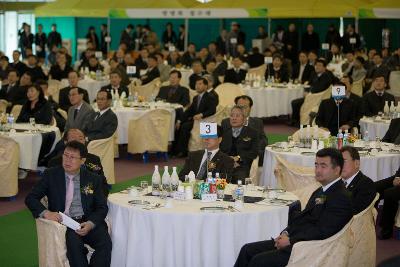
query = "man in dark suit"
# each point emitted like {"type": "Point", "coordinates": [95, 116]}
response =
{"type": "Point", "coordinates": [174, 92]}
{"type": "Point", "coordinates": [103, 123]}
{"type": "Point", "coordinates": [389, 191]}
{"type": "Point", "coordinates": [203, 106]}
{"type": "Point", "coordinates": [374, 101]}
{"type": "Point", "coordinates": [92, 162]}
{"type": "Point", "coordinates": [211, 86]}
{"type": "Point", "coordinates": [393, 133]}
{"type": "Point", "coordinates": [218, 162]}
{"type": "Point", "coordinates": [80, 113]}
{"type": "Point", "coordinates": [63, 98]}
{"type": "Point", "coordinates": [277, 70]}
{"type": "Point", "coordinates": [328, 210]}
{"type": "Point", "coordinates": [198, 72]}
{"type": "Point", "coordinates": [152, 70]}
{"type": "Point", "coordinates": [361, 187]}
{"type": "Point", "coordinates": [115, 85]}
{"type": "Point", "coordinates": [241, 143]}
{"type": "Point", "coordinates": [12, 92]}
{"type": "Point", "coordinates": [257, 124]}
{"type": "Point", "coordinates": [17, 64]}
{"type": "Point", "coordinates": [357, 100]}
{"type": "Point", "coordinates": [54, 38]}
{"type": "Point", "coordinates": [378, 67]}
{"type": "Point", "coordinates": [34, 69]}
{"type": "Point", "coordinates": [189, 56]}
{"type": "Point", "coordinates": [255, 59]}
{"type": "Point", "coordinates": [302, 71]}
{"type": "Point", "coordinates": [235, 75]}
{"type": "Point", "coordinates": [77, 193]}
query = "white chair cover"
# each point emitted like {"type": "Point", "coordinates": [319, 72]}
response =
{"type": "Point", "coordinates": [104, 149]}
{"type": "Point", "coordinates": [9, 161]}
{"type": "Point", "coordinates": [147, 90]}
{"type": "Point", "coordinates": [258, 71]}
{"type": "Point", "coordinates": [322, 133]}
{"type": "Point", "coordinates": [311, 104]}
{"type": "Point", "coordinates": [254, 171]}
{"type": "Point", "coordinates": [54, 89]}
{"type": "Point", "coordinates": [227, 92]}
{"type": "Point", "coordinates": [394, 83]}
{"type": "Point", "coordinates": [3, 105]}
{"type": "Point", "coordinates": [397, 219]}
{"type": "Point", "coordinates": [357, 87]}
{"type": "Point", "coordinates": [63, 113]}
{"type": "Point", "coordinates": [16, 110]}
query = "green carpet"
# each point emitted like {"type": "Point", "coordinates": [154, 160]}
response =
{"type": "Point", "coordinates": [18, 240]}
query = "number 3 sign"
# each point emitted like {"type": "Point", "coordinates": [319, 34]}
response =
{"type": "Point", "coordinates": [208, 130]}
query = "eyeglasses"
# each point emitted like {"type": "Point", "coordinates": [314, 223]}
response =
{"type": "Point", "coordinates": [69, 157]}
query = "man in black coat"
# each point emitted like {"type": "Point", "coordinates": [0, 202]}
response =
{"type": "Point", "coordinates": [218, 162]}
{"type": "Point", "coordinates": [277, 70]}
{"type": "Point", "coordinates": [393, 133]}
{"type": "Point", "coordinates": [389, 191]}
{"type": "Point", "coordinates": [357, 100]}
{"type": "Point", "coordinates": [328, 210]}
{"type": "Point", "coordinates": [115, 84]}
{"type": "Point", "coordinates": [17, 64]}
{"type": "Point", "coordinates": [310, 39]}
{"type": "Point", "coordinates": [77, 193]}
{"type": "Point", "coordinates": [198, 72]}
{"type": "Point", "coordinates": [203, 106]}
{"type": "Point", "coordinates": [54, 38]}
{"type": "Point", "coordinates": [174, 92]}
{"type": "Point", "coordinates": [103, 123]}
{"type": "Point", "coordinates": [302, 71]}
{"type": "Point", "coordinates": [374, 101]}
{"type": "Point", "coordinates": [241, 143]}
{"type": "Point", "coordinates": [235, 75]}
{"type": "Point", "coordinates": [255, 59]}
{"type": "Point", "coordinates": [12, 92]}
{"type": "Point", "coordinates": [63, 95]}
{"type": "Point", "coordinates": [152, 71]}
{"type": "Point", "coordinates": [361, 187]}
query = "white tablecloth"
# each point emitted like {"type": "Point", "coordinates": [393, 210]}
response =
{"type": "Point", "coordinates": [92, 86]}
{"type": "Point", "coordinates": [30, 143]}
{"type": "Point", "coordinates": [270, 101]}
{"type": "Point", "coordinates": [183, 236]}
{"type": "Point", "coordinates": [376, 167]}
{"type": "Point", "coordinates": [374, 128]}
{"type": "Point", "coordinates": [125, 114]}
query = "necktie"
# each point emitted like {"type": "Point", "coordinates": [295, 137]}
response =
{"type": "Point", "coordinates": [97, 115]}
{"type": "Point", "coordinates": [199, 101]}
{"type": "Point", "coordinates": [345, 183]}
{"type": "Point", "coordinates": [76, 113]}
{"type": "Point", "coordinates": [236, 132]}
{"type": "Point", "coordinates": [203, 169]}
{"type": "Point", "coordinates": [69, 194]}
{"type": "Point", "coordinates": [9, 88]}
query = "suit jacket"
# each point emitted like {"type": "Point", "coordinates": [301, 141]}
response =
{"type": "Point", "coordinates": [373, 104]}
{"type": "Point", "coordinates": [180, 95]}
{"type": "Point", "coordinates": [358, 107]}
{"type": "Point", "coordinates": [42, 112]}
{"type": "Point", "coordinates": [150, 75]}
{"type": "Point", "coordinates": [193, 78]}
{"type": "Point", "coordinates": [306, 77]}
{"type": "Point", "coordinates": [231, 76]}
{"type": "Point", "coordinates": [20, 67]}
{"type": "Point", "coordinates": [37, 73]}
{"type": "Point", "coordinates": [393, 132]}
{"type": "Point", "coordinates": [16, 95]}
{"type": "Point", "coordinates": [223, 164]}
{"type": "Point", "coordinates": [280, 75]}
{"type": "Point", "coordinates": [321, 220]}
{"type": "Point", "coordinates": [63, 99]}
{"type": "Point", "coordinates": [207, 107]}
{"type": "Point", "coordinates": [82, 119]}
{"type": "Point", "coordinates": [57, 73]}
{"type": "Point", "coordinates": [255, 60]}
{"type": "Point", "coordinates": [319, 84]}
{"type": "Point", "coordinates": [121, 88]}
{"type": "Point", "coordinates": [103, 126]}
{"type": "Point", "coordinates": [327, 116]}
{"type": "Point", "coordinates": [362, 191]}
{"type": "Point", "coordinates": [53, 185]}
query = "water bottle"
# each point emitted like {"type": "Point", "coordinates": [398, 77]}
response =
{"type": "Point", "coordinates": [239, 192]}
{"type": "Point", "coordinates": [209, 177]}
{"type": "Point", "coordinates": [98, 74]}
{"type": "Point", "coordinates": [10, 120]}
{"type": "Point", "coordinates": [386, 109]}
{"type": "Point", "coordinates": [155, 182]}
{"type": "Point", "coordinates": [339, 140]}
{"type": "Point", "coordinates": [345, 137]}
{"type": "Point", "coordinates": [166, 180]}
{"type": "Point", "coordinates": [174, 180]}
{"type": "Point", "coordinates": [366, 137]}
{"type": "Point", "coordinates": [136, 97]}
{"type": "Point", "coordinates": [130, 97]}
{"type": "Point", "coordinates": [392, 110]}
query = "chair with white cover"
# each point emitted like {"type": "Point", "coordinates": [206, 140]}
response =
{"type": "Point", "coordinates": [16, 110]}
{"type": "Point", "coordinates": [258, 71]}
{"type": "Point", "coordinates": [9, 160]}
{"type": "Point", "coordinates": [322, 133]}
{"type": "Point", "coordinates": [363, 253]}
{"type": "Point", "coordinates": [357, 87]}
{"type": "Point", "coordinates": [54, 89]}
{"type": "Point", "coordinates": [3, 105]}
{"type": "Point", "coordinates": [333, 251]}
{"type": "Point", "coordinates": [192, 94]}
{"type": "Point", "coordinates": [297, 179]}
{"type": "Point", "coordinates": [195, 142]}
{"type": "Point", "coordinates": [394, 83]}
{"type": "Point", "coordinates": [397, 218]}
{"type": "Point", "coordinates": [63, 113]}
{"type": "Point", "coordinates": [227, 92]}
{"type": "Point", "coordinates": [149, 132]}
{"type": "Point", "coordinates": [104, 149]}
{"type": "Point", "coordinates": [146, 91]}
{"type": "Point", "coordinates": [311, 104]}
{"type": "Point", "coordinates": [254, 173]}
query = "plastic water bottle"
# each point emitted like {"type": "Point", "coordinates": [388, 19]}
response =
{"type": "Point", "coordinates": [239, 192]}
{"type": "Point", "coordinates": [339, 140]}
{"type": "Point", "coordinates": [174, 180]}
{"type": "Point", "coordinates": [98, 74]}
{"type": "Point", "coordinates": [10, 120]}
{"type": "Point", "coordinates": [209, 177]}
{"type": "Point", "coordinates": [166, 180]}
{"type": "Point", "coordinates": [345, 137]}
{"type": "Point", "coordinates": [155, 181]}
{"type": "Point", "coordinates": [136, 97]}
{"type": "Point", "coordinates": [366, 136]}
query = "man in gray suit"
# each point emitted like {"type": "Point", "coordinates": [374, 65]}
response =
{"type": "Point", "coordinates": [103, 123]}
{"type": "Point", "coordinates": [80, 113]}
{"type": "Point", "coordinates": [257, 124]}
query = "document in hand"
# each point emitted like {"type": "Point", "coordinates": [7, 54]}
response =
{"type": "Point", "coordinates": [70, 223]}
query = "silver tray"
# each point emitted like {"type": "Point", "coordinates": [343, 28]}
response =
{"type": "Point", "coordinates": [212, 209]}
{"type": "Point", "coordinates": [139, 202]}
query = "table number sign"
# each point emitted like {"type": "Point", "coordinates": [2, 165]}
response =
{"type": "Point", "coordinates": [338, 92]}
{"type": "Point", "coordinates": [208, 130]}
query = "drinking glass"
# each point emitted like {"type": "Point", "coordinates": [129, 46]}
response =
{"type": "Point", "coordinates": [32, 123]}
{"type": "Point", "coordinates": [248, 183]}
{"type": "Point", "coordinates": [144, 185]}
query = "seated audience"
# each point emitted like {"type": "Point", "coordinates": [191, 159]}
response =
{"type": "Point", "coordinates": [257, 124]}
{"type": "Point", "coordinates": [103, 123]}
{"type": "Point", "coordinates": [357, 100]}
{"type": "Point", "coordinates": [17, 64]}
{"type": "Point", "coordinates": [211, 87]}
{"type": "Point", "coordinates": [164, 69]}
{"type": "Point", "coordinates": [34, 69]}
{"type": "Point", "coordinates": [198, 72]}
{"type": "Point", "coordinates": [328, 210]}
{"type": "Point", "coordinates": [61, 69]}
{"type": "Point", "coordinates": [174, 59]}
{"type": "Point", "coordinates": [255, 59]}
{"type": "Point", "coordinates": [12, 92]}
{"type": "Point", "coordinates": [389, 191]}
{"type": "Point", "coordinates": [277, 71]}
{"type": "Point", "coordinates": [115, 85]}
{"type": "Point", "coordinates": [375, 69]}
{"type": "Point", "coordinates": [302, 71]}
{"type": "Point", "coordinates": [92, 64]}
{"type": "Point", "coordinates": [80, 113]}
{"type": "Point", "coordinates": [358, 72]}
{"type": "Point", "coordinates": [174, 92]}
{"type": "Point", "coordinates": [393, 133]}
{"type": "Point", "coordinates": [36, 107]}
{"type": "Point", "coordinates": [241, 143]}
{"type": "Point", "coordinates": [361, 187]}
{"type": "Point", "coordinates": [221, 66]}
{"type": "Point", "coordinates": [4, 68]}
{"type": "Point", "coordinates": [63, 96]}
{"type": "Point", "coordinates": [189, 56]}
{"type": "Point", "coordinates": [235, 75]}
{"type": "Point", "coordinates": [374, 101]}
{"type": "Point", "coordinates": [218, 162]}
{"type": "Point", "coordinates": [210, 70]}
{"type": "Point", "coordinates": [152, 71]}
{"type": "Point", "coordinates": [115, 66]}
{"type": "Point", "coordinates": [61, 185]}
{"type": "Point", "coordinates": [203, 106]}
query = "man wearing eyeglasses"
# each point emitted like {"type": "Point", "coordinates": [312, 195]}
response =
{"type": "Point", "coordinates": [77, 193]}
{"type": "Point", "coordinates": [80, 113]}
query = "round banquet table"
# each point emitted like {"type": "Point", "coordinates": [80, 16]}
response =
{"type": "Point", "coordinates": [124, 114]}
{"type": "Point", "coordinates": [30, 143]}
{"type": "Point", "coordinates": [375, 128]}
{"type": "Point", "coordinates": [273, 101]}
{"type": "Point", "coordinates": [377, 167]}
{"type": "Point", "coordinates": [185, 236]}
{"type": "Point", "coordinates": [92, 86]}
